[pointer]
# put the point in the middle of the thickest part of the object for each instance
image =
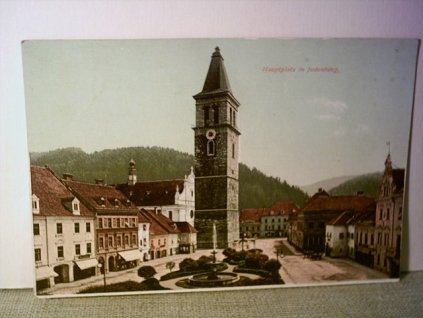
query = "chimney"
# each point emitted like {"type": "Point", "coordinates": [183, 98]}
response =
{"type": "Point", "coordinates": [99, 181]}
{"type": "Point", "coordinates": [68, 176]}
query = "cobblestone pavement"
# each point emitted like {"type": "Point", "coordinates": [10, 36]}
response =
{"type": "Point", "coordinates": [299, 270]}
{"type": "Point", "coordinates": [295, 269]}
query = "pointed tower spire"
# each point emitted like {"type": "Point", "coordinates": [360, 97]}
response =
{"type": "Point", "coordinates": [216, 79]}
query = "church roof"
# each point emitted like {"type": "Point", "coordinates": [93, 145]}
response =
{"type": "Point", "coordinates": [54, 196]}
{"type": "Point", "coordinates": [152, 193]}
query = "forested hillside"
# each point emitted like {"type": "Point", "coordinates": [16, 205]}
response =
{"type": "Point", "coordinates": [156, 163]}
{"type": "Point", "coordinates": [369, 184]}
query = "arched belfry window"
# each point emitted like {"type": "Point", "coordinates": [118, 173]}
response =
{"type": "Point", "coordinates": [211, 148]}
{"type": "Point", "coordinates": [216, 114]}
{"type": "Point", "coordinates": [206, 116]}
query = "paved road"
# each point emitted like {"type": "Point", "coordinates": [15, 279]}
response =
{"type": "Point", "coordinates": [295, 269]}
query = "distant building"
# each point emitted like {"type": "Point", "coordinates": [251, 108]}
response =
{"type": "Point", "coordinates": [341, 230]}
{"type": "Point", "coordinates": [388, 223]}
{"type": "Point", "coordinates": [175, 199]}
{"type": "Point", "coordinates": [64, 234]}
{"type": "Point", "coordinates": [364, 238]}
{"type": "Point", "coordinates": [250, 222]}
{"type": "Point", "coordinates": [308, 226]}
{"type": "Point", "coordinates": [267, 222]}
{"type": "Point", "coordinates": [116, 223]}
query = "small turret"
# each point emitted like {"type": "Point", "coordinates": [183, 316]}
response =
{"type": "Point", "coordinates": [132, 173]}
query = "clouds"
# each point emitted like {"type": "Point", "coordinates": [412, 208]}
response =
{"type": "Point", "coordinates": [328, 109]}
{"type": "Point", "coordinates": [336, 115]}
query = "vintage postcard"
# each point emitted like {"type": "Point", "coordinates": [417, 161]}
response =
{"type": "Point", "coordinates": [187, 165]}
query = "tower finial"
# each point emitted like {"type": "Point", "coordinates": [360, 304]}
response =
{"type": "Point", "coordinates": [217, 49]}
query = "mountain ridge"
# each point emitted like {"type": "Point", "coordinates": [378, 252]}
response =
{"type": "Point", "coordinates": [159, 163]}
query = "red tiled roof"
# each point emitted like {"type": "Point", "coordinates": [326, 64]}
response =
{"type": "Point", "coordinates": [337, 203]}
{"type": "Point", "coordinates": [284, 208]}
{"type": "Point", "coordinates": [152, 193]}
{"type": "Point", "coordinates": [251, 214]}
{"type": "Point", "coordinates": [142, 218]}
{"type": "Point", "coordinates": [185, 227]}
{"type": "Point", "coordinates": [160, 224]}
{"type": "Point", "coordinates": [342, 219]}
{"type": "Point", "coordinates": [54, 196]}
{"type": "Point", "coordinates": [101, 197]}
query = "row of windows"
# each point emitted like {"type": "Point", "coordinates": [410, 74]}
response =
{"type": "Point", "coordinates": [273, 220]}
{"type": "Point", "coordinates": [116, 243]}
{"type": "Point", "coordinates": [388, 214]}
{"type": "Point", "coordinates": [213, 112]}
{"type": "Point", "coordinates": [59, 228]}
{"type": "Point", "coordinates": [112, 222]}
{"type": "Point", "coordinates": [61, 251]}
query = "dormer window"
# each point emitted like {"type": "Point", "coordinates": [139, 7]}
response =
{"type": "Point", "coordinates": [75, 207]}
{"type": "Point", "coordinates": [102, 202]}
{"type": "Point", "coordinates": [35, 204]}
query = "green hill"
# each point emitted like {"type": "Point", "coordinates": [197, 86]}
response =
{"type": "Point", "coordinates": [157, 163]}
{"type": "Point", "coordinates": [369, 184]}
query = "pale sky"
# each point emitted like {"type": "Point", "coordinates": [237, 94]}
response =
{"type": "Point", "coordinates": [298, 125]}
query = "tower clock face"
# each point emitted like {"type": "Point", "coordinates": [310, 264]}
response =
{"type": "Point", "coordinates": [210, 134]}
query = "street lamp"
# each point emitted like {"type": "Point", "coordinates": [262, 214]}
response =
{"type": "Point", "coordinates": [100, 265]}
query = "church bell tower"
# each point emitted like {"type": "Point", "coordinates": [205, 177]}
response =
{"type": "Point", "coordinates": [216, 158]}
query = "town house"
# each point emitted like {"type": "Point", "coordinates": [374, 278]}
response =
{"type": "Point", "coordinates": [64, 234]}
{"type": "Point", "coordinates": [116, 223]}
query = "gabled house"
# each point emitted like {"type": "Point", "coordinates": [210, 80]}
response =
{"type": "Point", "coordinates": [347, 229]}
{"type": "Point", "coordinates": [163, 234]}
{"type": "Point", "coordinates": [187, 238]}
{"type": "Point", "coordinates": [64, 234]}
{"type": "Point", "coordinates": [175, 199]}
{"type": "Point", "coordinates": [116, 223]}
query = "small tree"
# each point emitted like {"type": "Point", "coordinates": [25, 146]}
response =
{"type": "Point", "coordinates": [170, 265]}
{"type": "Point", "coordinates": [146, 272]}
{"type": "Point", "coordinates": [188, 264]}
{"type": "Point", "coordinates": [273, 266]}
{"type": "Point", "coordinates": [203, 261]}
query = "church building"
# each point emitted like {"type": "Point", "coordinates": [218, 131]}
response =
{"type": "Point", "coordinates": [216, 158]}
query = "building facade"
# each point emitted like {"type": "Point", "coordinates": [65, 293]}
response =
{"type": "Point", "coordinates": [388, 222]}
{"type": "Point", "coordinates": [63, 228]}
{"type": "Point", "coordinates": [216, 143]}
{"type": "Point", "coordinates": [308, 227]}
{"type": "Point", "coordinates": [116, 223]}
{"type": "Point", "coordinates": [175, 198]}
